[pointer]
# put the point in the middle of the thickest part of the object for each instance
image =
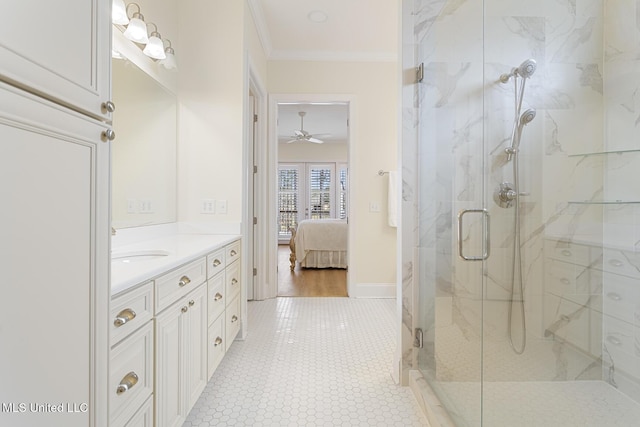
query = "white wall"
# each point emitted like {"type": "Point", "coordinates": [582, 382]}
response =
{"type": "Point", "coordinates": [374, 88]}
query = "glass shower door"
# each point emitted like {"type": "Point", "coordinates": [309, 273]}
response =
{"type": "Point", "coordinates": [453, 225]}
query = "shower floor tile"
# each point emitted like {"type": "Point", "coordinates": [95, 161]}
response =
{"type": "Point", "coordinates": [544, 404]}
{"type": "Point", "coordinates": [310, 362]}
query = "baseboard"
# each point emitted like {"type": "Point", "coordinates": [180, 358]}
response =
{"type": "Point", "coordinates": [373, 290]}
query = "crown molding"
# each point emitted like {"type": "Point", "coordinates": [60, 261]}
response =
{"type": "Point", "coordinates": [261, 26]}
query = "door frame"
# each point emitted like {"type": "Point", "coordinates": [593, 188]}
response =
{"type": "Point", "coordinates": [268, 159]}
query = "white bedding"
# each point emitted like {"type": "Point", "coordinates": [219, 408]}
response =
{"type": "Point", "coordinates": [321, 235]}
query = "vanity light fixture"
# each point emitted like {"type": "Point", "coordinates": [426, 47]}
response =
{"type": "Point", "coordinates": [119, 12]}
{"type": "Point", "coordinates": [154, 48]}
{"type": "Point", "coordinates": [169, 62]}
{"type": "Point", "coordinates": [136, 30]}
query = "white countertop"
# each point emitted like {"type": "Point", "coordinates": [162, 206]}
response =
{"type": "Point", "coordinates": [182, 248]}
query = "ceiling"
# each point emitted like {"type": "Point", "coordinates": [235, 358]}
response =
{"type": "Point", "coordinates": [327, 122]}
{"type": "Point", "coordinates": [352, 30]}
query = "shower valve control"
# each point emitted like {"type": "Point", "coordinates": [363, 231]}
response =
{"type": "Point", "coordinates": [505, 194]}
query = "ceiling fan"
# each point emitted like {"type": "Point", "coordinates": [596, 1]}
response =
{"type": "Point", "coordinates": [303, 135]}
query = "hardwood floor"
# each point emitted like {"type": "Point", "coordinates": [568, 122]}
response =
{"type": "Point", "coordinates": [309, 282]}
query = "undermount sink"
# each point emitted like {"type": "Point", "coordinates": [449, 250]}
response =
{"type": "Point", "coordinates": [138, 256]}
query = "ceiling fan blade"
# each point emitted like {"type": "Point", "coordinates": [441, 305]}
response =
{"type": "Point", "coordinates": [315, 140]}
{"type": "Point", "coordinates": [298, 133]}
{"type": "Point", "coordinates": [291, 140]}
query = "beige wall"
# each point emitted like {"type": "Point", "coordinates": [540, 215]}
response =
{"type": "Point", "coordinates": [374, 88]}
{"type": "Point", "coordinates": [215, 37]}
{"type": "Point", "coordinates": [312, 152]}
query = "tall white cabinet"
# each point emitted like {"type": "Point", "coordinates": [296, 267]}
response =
{"type": "Point", "coordinates": [54, 214]}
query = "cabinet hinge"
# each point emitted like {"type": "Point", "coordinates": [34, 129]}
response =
{"type": "Point", "coordinates": [420, 72]}
{"type": "Point", "coordinates": [255, 118]}
{"type": "Point", "coordinates": [255, 169]}
{"type": "Point", "coordinates": [255, 220]}
{"type": "Point", "coordinates": [255, 271]}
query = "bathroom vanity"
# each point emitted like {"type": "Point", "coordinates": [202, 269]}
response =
{"type": "Point", "coordinates": [175, 310]}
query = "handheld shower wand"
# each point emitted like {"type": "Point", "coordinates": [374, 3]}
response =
{"type": "Point", "coordinates": [524, 120]}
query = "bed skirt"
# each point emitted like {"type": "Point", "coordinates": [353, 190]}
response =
{"type": "Point", "coordinates": [325, 259]}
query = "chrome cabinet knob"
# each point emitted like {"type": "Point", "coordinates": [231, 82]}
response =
{"type": "Point", "coordinates": [234, 281]}
{"type": "Point", "coordinates": [184, 309]}
{"type": "Point", "coordinates": [108, 135]}
{"type": "Point", "coordinates": [234, 318]}
{"type": "Point", "coordinates": [217, 342]}
{"type": "Point", "coordinates": [108, 106]}
{"type": "Point", "coordinates": [184, 280]}
{"type": "Point", "coordinates": [191, 303]}
{"type": "Point", "coordinates": [233, 252]}
{"type": "Point", "coordinates": [217, 297]}
{"type": "Point", "coordinates": [216, 262]}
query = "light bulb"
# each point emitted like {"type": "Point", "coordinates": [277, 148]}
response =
{"type": "Point", "coordinates": [119, 13]}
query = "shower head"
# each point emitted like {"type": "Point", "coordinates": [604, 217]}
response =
{"type": "Point", "coordinates": [527, 68]}
{"type": "Point", "coordinates": [527, 117]}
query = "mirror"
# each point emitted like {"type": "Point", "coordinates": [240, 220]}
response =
{"type": "Point", "coordinates": [144, 152]}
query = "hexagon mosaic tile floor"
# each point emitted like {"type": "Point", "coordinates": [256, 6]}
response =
{"type": "Point", "coordinates": [310, 362]}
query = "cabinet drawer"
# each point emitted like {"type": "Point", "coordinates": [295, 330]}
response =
{"type": "Point", "coordinates": [621, 262]}
{"type": "Point", "coordinates": [131, 374]}
{"type": "Point", "coordinates": [129, 311]}
{"type": "Point", "coordinates": [621, 297]}
{"type": "Point", "coordinates": [217, 300]}
{"type": "Point", "coordinates": [232, 251]}
{"type": "Point", "coordinates": [172, 286]}
{"type": "Point", "coordinates": [232, 279]}
{"type": "Point", "coordinates": [232, 321]}
{"type": "Point", "coordinates": [142, 418]}
{"type": "Point", "coordinates": [216, 262]}
{"type": "Point", "coordinates": [571, 252]}
{"type": "Point", "coordinates": [217, 345]}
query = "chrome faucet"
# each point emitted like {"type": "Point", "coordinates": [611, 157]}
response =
{"type": "Point", "coordinates": [113, 231]}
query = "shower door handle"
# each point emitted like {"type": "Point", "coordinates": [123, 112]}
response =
{"type": "Point", "coordinates": [485, 242]}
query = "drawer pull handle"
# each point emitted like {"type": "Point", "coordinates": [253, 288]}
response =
{"type": "Point", "coordinates": [613, 340]}
{"type": "Point", "coordinates": [614, 296]}
{"type": "Point", "coordinates": [234, 318]}
{"type": "Point", "coordinates": [233, 252]}
{"type": "Point", "coordinates": [566, 252]}
{"type": "Point", "coordinates": [218, 297]}
{"type": "Point", "coordinates": [565, 281]}
{"type": "Point", "coordinates": [217, 342]}
{"type": "Point", "coordinates": [191, 303]}
{"type": "Point", "coordinates": [184, 309]}
{"type": "Point", "coordinates": [127, 382]}
{"type": "Point", "coordinates": [124, 316]}
{"type": "Point", "coordinates": [184, 281]}
{"type": "Point", "coordinates": [616, 263]}
{"type": "Point", "coordinates": [216, 262]}
{"type": "Point", "coordinates": [234, 281]}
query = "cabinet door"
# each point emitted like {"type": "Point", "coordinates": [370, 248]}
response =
{"type": "Point", "coordinates": [170, 342]}
{"type": "Point", "coordinates": [54, 259]}
{"type": "Point", "coordinates": [196, 350]}
{"type": "Point", "coordinates": [59, 49]}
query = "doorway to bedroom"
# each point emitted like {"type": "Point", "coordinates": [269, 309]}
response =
{"type": "Point", "coordinates": [312, 198]}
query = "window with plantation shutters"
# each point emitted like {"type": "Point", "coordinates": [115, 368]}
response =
{"type": "Point", "coordinates": [288, 198]}
{"type": "Point", "coordinates": [310, 191]}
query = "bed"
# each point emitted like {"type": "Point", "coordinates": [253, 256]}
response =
{"type": "Point", "coordinates": [319, 243]}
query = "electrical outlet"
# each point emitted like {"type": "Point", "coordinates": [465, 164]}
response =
{"type": "Point", "coordinates": [374, 207]}
{"type": "Point", "coordinates": [222, 207]}
{"type": "Point", "coordinates": [208, 206]}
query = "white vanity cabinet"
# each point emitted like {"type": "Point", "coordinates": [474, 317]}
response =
{"type": "Point", "coordinates": [131, 370]}
{"type": "Point", "coordinates": [54, 187]}
{"type": "Point", "coordinates": [66, 58]}
{"type": "Point", "coordinates": [181, 356]}
{"type": "Point", "coordinates": [224, 285]}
